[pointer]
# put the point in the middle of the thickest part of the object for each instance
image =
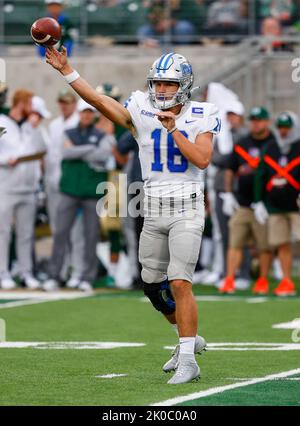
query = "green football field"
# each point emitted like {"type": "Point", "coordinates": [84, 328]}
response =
{"type": "Point", "coordinates": [56, 352]}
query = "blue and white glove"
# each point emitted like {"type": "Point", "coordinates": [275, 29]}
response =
{"type": "Point", "coordinates": [230, 204]}
{"type": "Point", "coordinates": [260, 212]}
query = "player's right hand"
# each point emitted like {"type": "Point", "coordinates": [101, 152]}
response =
{"type": "Point", "coordinates": [56, 59]}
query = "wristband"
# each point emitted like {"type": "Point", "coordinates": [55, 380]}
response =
{"type": "Point", "coordinates": [70, 78]}
{"type": "Point", "coordinates": [172, 130]}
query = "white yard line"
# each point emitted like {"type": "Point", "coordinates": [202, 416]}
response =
{"type": "Point", "coordinates": [110, 376]}
{"type": "Point", "coordinates": [7, 295]}
{"type": "Point", "coordinates": [32, 298]}
{"type": "Point", "coordinates": [251, 346]}
{"type": "Point", "coordinates": [69, 345]}
{"type": "Point", "coordinates": [221, 389]}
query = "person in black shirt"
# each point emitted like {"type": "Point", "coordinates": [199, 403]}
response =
{"type": "Point", "coordinates": [243, 164]}
{"type": "Point", "coordinates": [277, 189]}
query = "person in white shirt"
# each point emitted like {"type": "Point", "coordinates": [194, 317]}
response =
{"type": "Point", "coordinates": [68, 119]}
{"type": "Point", "coordinates": [175, 137]}
{"type": "Point", "coordinates": [19, 178]}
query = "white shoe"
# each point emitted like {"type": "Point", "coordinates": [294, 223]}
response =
{"type": "Point", "coordinates": [50, 285]}
{"type": "Point", "coordinates": [31, 282]}
{"type": "Point", "coordinates": [199, 276]}
{"type": "Point", "coordinates": [8, 283]}
{"type": "Point", "coordinates": [211, 278]}
{"type": "Point", "coordinates": [172, 364]}
{"type": "Point", "coordinates": [277, 270]}
{"type": "Point", "coordinates": [187, 370]}
{"type": "Point", "coordinates": [73, 283]}
{"type": "Point", "coordinates": [219, 283]}
{"type": "Point", "coordinates": [242, 283]}
{"type": "Point", "coordinates": [85, 286]}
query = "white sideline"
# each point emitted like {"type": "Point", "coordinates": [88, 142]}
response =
{"type": "Point", "coordinates": [69, 345]}
{"type": "Point", "coordinates": [33, 298]}
{"type": "Point", "coordinates": [221, 389]}
{"type": "Point", "coordinates": [251, 346]}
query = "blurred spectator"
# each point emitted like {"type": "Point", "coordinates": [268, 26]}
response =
{"type": "Point", "coordinates": [238, 130]}
{"type": "Point", "coordinates": [55, 9]}
{"type": "Point", "coordinates": [112, 223]}
{"type": "Point", "coordinates": [282, 10]}
{"type": "Point", "coordinates": [4, 109]}
{"type": "Point", "coordinates": [163, 27]}
{"type": "Point", "coordinates": [85, 153]}
{"type": "Point", "coordinates": [243, 226]}
{"type": "Point", "coordinates": [19, 177]}
{"type": "Point", "coordinates": [277, 187]}
{"type": "Point", "coordinates": [225, 17]}
{"type": "Point", "coordinates": [271, 29]}
{"type": "Point", "coordinates": [68, 119]}
{"type": "Point", "coordinates": [222, 97]}
{"type": "Point", "coordinates": [128, 145]}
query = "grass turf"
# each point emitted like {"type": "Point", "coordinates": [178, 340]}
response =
{"type": "Point", "coordinates": [67, 377]}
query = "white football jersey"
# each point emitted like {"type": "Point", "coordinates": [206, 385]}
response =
{"type": "Point", "coordinates": [166, 172]}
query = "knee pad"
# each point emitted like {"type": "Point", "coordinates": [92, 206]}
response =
{"type": "Point", "coordinates": [161, 297]}
{"type": "Point", "coordinates": [152, 275]}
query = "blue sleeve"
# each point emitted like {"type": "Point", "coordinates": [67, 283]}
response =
{"type": "Point", "coordinates": [41, 51]}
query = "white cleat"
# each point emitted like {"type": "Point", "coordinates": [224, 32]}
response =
{"type": "Point", "coordinates": [73, 283]}
{"type": "Point", "coordinates": [50, 285]}
{"type": "Point", "coordinates": [171, 365]}
{"type": "Point", "coordinates": [31, 282]}
{"type": "Point", "coordinates": [8, 283]}
{"type": "Point", "coordinates": [187, 370]}
{"type": "Point", "coordinates": [211, 278]}
{"type": "Point", "coordinates": [85, 286]}
{"type": "Point", "coordinates": [242, 283]}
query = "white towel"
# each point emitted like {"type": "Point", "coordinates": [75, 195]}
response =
{"type": "Point", "coordinates": [225, 99]}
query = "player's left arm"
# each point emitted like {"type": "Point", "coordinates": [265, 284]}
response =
{"type": "Point", "coordinates": [198, 153]}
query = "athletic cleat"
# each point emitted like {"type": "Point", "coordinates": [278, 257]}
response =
{"type": "Point", "coordinates": [73, 283]}
{"type": "Point", "coordinates": [8, 283]}
{"type": "Point", "coordinates": [85, 286]}
{"type": "Point", "coordinates": [187, 371]}
{"type": "Point", "coordinates": [261, 286]}
{"type": "Point", "coordinates": [50, 285]}
{"type": "Point", "coordinates": [241, 284]}
{"type": "Point", "coordinates": [31, 282]}
{"type": "Point", "coordinates": [227, 286]}
{"type": "Point", "coordinates": [172, 364]}
{"type": "Point", "coordinates": [286, 287]}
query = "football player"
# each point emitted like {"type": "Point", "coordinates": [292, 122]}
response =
{"type": "Point", "coordinates": [175, 137]}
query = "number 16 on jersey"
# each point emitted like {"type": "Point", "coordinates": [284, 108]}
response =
{"type": "Point", "coordinates": [172, 152]}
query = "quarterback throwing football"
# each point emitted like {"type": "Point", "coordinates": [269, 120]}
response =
{"type": "Point", "coordinates": [175, 138]}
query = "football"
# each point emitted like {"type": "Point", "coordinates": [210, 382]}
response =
{"type": "Point", "coordinates": [46, 32]}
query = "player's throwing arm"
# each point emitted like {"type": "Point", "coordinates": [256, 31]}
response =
{"type": "Point", "coordinates": [106, 105]}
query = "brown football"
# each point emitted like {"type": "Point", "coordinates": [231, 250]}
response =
{"type": "Point", "coordinates": [46, 32]}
